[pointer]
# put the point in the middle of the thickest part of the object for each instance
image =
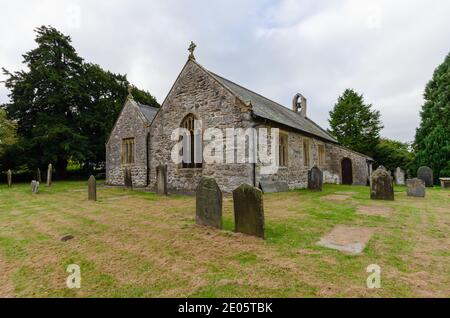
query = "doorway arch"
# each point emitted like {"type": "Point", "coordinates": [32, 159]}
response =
{"type": "Point", "coordinates": [346, 171]}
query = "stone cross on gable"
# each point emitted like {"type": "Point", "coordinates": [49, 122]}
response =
{"type": "Point", "coordinates": [191, 49]}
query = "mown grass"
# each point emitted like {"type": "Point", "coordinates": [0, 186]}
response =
{"type": "Point", "coordinates": [139, 244]}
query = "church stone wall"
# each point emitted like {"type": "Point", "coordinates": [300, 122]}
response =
{"type": "Point", "coordinates": [129, 124]}
{"type": "Point", "coordinates": [334, 156]}
{"type": "Point", "coordinates": [296, 171]}
{"type": "Point", "coordinates": [196, 92]}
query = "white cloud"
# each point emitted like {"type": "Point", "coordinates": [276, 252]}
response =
{"type": "Point", "coordinates": [384, 49]}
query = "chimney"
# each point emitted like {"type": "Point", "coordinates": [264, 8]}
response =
{"type": "Point", "coordinates": [299, 104]}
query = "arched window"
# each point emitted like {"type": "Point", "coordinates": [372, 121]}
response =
{"type": "Point", "coordinates": [192, 148]}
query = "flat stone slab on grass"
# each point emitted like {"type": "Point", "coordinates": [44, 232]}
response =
{"type": "Point", "coordinates": [374, 210]}
{"type": "Point", "coordinates": [347, 239]}
{"type": "Point", "coordinates": [336, 197]}
{"type": "Point", "coordinates": [273, 186]}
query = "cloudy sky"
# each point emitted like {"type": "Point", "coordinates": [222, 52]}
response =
{"type": "Point", "coordinates": [385, 49]}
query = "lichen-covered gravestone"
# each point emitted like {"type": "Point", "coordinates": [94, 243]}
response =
{"type": "Point", "coordinates": [34, 186]}
{"type": "Point", "coordinates": [128, 179]}
{"type": "Point", "coordinates": [315, 179]}
{"type": "Point", "coordinates": [208, 203]}
{"type": "Point", "coordinates": [161, 179]}
{"type": "Point", "coordinates": [49, 175]}
{"type": "Point", "coordinates": [426, 174]}
{"type": "Point", "coordinates": [9, 178]}
{"type": "Point", "coordinates": [381, 185]}
{"type": "Point", "coordinates": [415, 187]}
{"type": "Point", "coordinates": [248, 210]}
{"type": "Point", "coordinates": [399, 176]}
{"type": "Point", "coordinates": [92, 189]}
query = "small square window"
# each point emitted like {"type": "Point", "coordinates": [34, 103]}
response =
{"type": "Point", "coordinates": [321, 150]}
{"type": "Point", "coordinates": [306, 158]}
{"type": "Point", "coordinates": [127, 151]}
{"type": "Point", "coordinates": [283, 150]}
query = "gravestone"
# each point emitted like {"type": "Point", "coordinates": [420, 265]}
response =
{"type": "Point", "coordinates": [381, 185]}
{"type": "Point", "coordinates": [208, 203]}
{"type": "Point", "coordinates": [9, 178]}
{"type": "Point", "coordinates": [248, 210]}
{"type": "Point", "coordinates": [128, 178]}
{"type": "Point", "coordinates": [161, 179]}
{"type": "Point", "coordinates": [49, 175]}
{"type": "Point", "coordinates": [34, 186]}
{"type": "Point", "coordinates": [426, 174]}
{"type": "Point", "coordinates": [415, 188]}
{"type": "Point", "coordinates": [92, 189]}
{"type": "Point", "coordinates": [399, 176]}
{"type": "Point", "coordinates": [315, 179]}
{"type": "Point", "coordinates": [38, 175]}
{"type": "Point", "coordinates": [273, 186]}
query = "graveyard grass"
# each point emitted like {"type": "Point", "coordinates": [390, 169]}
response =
{"type": "Point", "coordinates": [135, 244]}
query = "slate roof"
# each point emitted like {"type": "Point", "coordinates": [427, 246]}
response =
{"type": "Point", "coordinates": [270, 110]}
{"type": "Point", "coordinates": [149, 112]}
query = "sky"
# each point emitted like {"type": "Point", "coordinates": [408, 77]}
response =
{"type": "Point", "coordinates": [386, 50]}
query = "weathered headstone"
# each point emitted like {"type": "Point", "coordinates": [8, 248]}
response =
{"type": "Point", "coordinates": [161, 179]}
{"type": "Point", "coordinates": [9, 178]}
{"type": "Point", "coordinates": [415, 187]}
{"type": "Point", "coordinates": [426, 174]}
{"type": "Point", "coordinates": [92, 189]}
{"type": "Point", "coordinates": [399, 176]}
{"type": "Point", "coordinates": [128, 178]}
{"type": "Point", "coordinates": [248, 210]}
{"type": "Point", "coordinates": [381, 185]}
{"type": "Point", "coordinates": [273, 186]}
{"type": "Point", "coordinates": [315, 179]}
{"type": "Point", "coordinates": [49, 175]}
{"type": "Point", "coordinates": [208, 203]}
{"type": "Point", "coordinates": [38, 175]}
{"type": "Point", "coordinates": [35, 186]}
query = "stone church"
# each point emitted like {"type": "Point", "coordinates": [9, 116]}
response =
{"type": "Point", "coordinates": [141, 137]}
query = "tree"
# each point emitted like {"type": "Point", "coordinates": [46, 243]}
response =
{"type": "Point", "coordinates": [354, 124]}
{"type": "Point", "coordinates": [392, 154]}
{"type": "Point", "coordinates": [64, 108]}
{"type": "Point", "coordinates": [45, 101]}
{"type": "Point", "coordinates": [105, 95]}
{"type": "Point", "coordinates": [432, 141]}
{"type": "Point", "coordinates": [7, 132]}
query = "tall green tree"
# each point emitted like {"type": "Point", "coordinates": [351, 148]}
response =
{"type": "Point", "coordinates": [392, 154]}
{"type": "Point", "coordinates": [45, 101]}
{"type": "Point", "coordinates": [8, 130]}
{"type": "Point", "coordinates": [354, 123]}
{"type": "Point", "coordinates": [105, 95]}
{"type": "Point", "coordinates": [64, 107]}
{"type": "Point", "coordinates": [432, 141]}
